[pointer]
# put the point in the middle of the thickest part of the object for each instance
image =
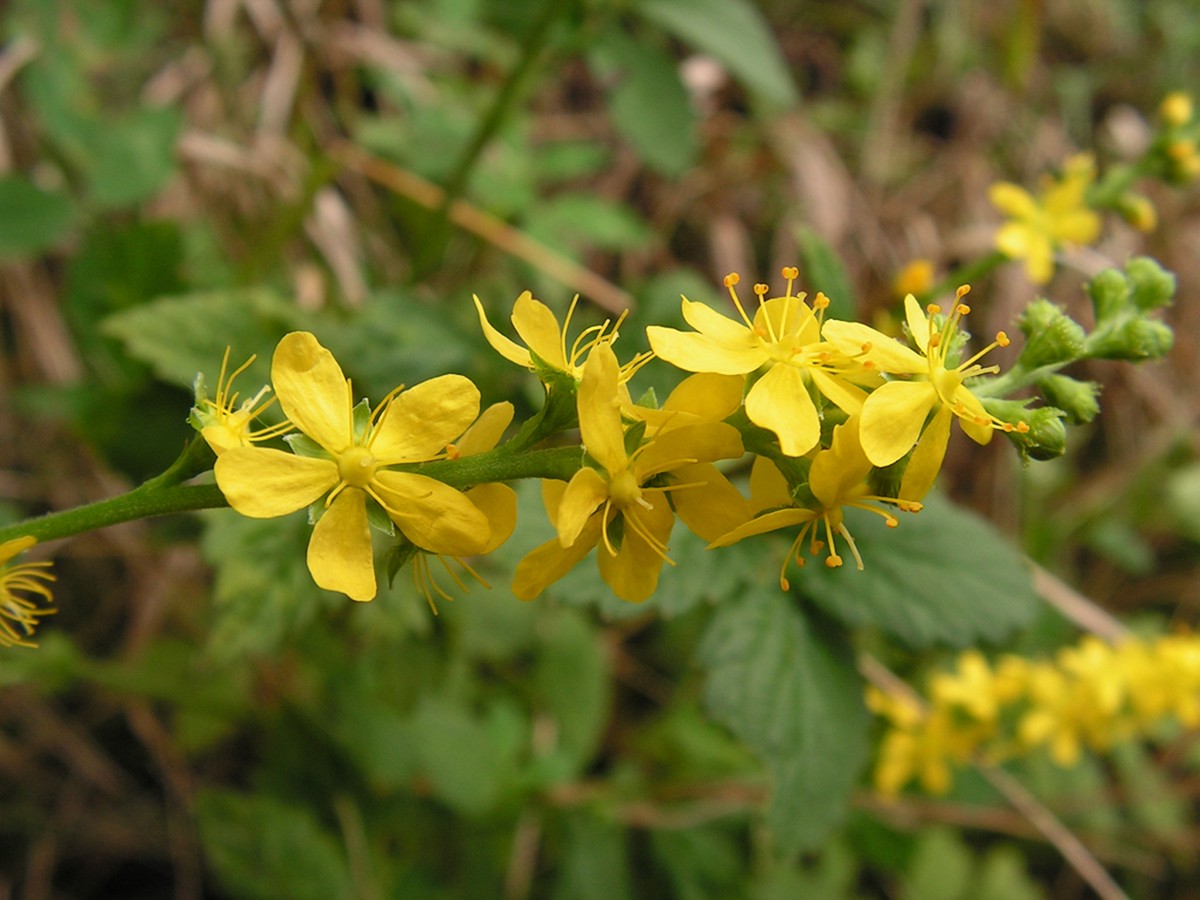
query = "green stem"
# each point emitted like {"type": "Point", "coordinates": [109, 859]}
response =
{"type": "Point", "coordinates": [139, 503]}
{"type": "Point", "coordinates": [501, 465]}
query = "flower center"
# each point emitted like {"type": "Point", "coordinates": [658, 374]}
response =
{"type": "Point", "coordinates": [356, 467]}
{"type": "Point", "coordinates": [624, 490]}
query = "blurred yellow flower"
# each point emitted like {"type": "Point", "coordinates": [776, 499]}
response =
{"type": "Point", "coordinates": [915, 278]}
{"type": "Point", "coordinates": [25, 596]}
{"type": "Point", "coordinates": [1039, 226]}
{"type": "Point", "coordinates": [348, 465]}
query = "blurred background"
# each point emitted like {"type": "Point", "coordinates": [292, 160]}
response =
{"type": "Point", "coordinates": [200, 721]}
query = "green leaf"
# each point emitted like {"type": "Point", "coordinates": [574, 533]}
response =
{"type": "Point", "coordinates": [734, 32]}
{"type": "Point", "coordinates": [823, 271]}
{"type": "Point", "coordinates": [786, 684]}
{"type": "Point", "coordinates": [650, 106]}
{"type": "Point", "coordinates": [595, 863]}
{"type": "Point", "coordinates": [180, 336]}
{"type": "Point", "coordinates": [265, 848]}
{"type": "Point", "coordinates": [31, 220]}
{"type": "Point", "coordinates": [131, 159]}
{"type": "Point", "coordinates": [943, 576]}
{"type": "Point", "coordinates": [572, 222]}
{"type": "Point", "coordinates": [572, 681]}
{"type": "Point", "coordinates": [470, 761]}
{"type": "Point", "coordinates": [941, 869]}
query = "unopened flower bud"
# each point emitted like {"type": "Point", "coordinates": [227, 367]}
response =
{"type": "Point", "coordinates": [1138, 211]}
{"type": "Point", "coordinates": [1136, 339]}
{"type": "Point", "coordinates": [1078, 399]}
{"type": "Point", "coordinates": [1109, 291]}
{"type": "Point", "coordinates": [1152, 285]}
{"type": "Point", "coordinates": [1046, 437]}
{"type": "Point", "coordinates": [1051, 335]}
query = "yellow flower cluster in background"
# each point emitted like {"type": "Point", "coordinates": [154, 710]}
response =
{"type": "Point", "coordinates": [1091, 695]}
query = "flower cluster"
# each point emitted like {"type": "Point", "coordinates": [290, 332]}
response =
{"type": "Point", "coordinates": [1091, 695]}
{"type": "Point", "coordinates": [825, 405]}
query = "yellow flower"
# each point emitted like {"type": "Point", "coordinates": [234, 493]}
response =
{"type": "Point", "coordinates": [546, 343]}
{"type": "Point", "coordinates": [615, 505]}
{"type": "Point", "coordinates": [915, 278]}
{"type": "Point", "coordinates": [224, 424]}
{"type": "Point", "coordinates": [1176, 108]}
{"type": "Point", "coordinates": [836, 480]}
{"type": "Point", "coordinates": [498, 502]}
{"type": "Point", "coordinates": [921, 744]}
{"type": "Point", "coordinates": [20, 586]}
{"type": "Point", "coordinates": [895, 413]}
{"type": "Point", "coordinates": [349, 463]}
{"type": "Point", "coordinates": [784, 340]}
{"type": "Point", "coordinates": [1037, 227]}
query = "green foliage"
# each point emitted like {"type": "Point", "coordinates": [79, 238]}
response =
{"type": "Point", "coordinates": [785, 683]}
{"type": "Point", "coordinates": [944, 576]}
{"type": "Point", "coordinates": [31, 219]}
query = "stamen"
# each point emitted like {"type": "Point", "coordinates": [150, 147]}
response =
{"type": "Point", "coordinates": [791, 273]}
{"type": "Point", "coordinates": [731, 281]}
{"type": "Point", "coordinates": [569, 360]}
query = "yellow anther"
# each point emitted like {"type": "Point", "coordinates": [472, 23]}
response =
{"type": "Point", "coordinates": [933, 309]}
{"type": "Point", "coordinates": [761, 289]}
{"type": "Point", "coordinates": [962, 309]}
{"type": "Point", "coordinates": [452, 452]}
{"type": "Point", "coordinates": [963, 290]}
{"type": "Point", "coordinates": [1022, 428]}
{"type": "Point", "coordinates": [820, 301]}
{"type": "Point", "coordinates": [1002, 339]}
{"type": "Point", "coordinates": [790, 272]}
{"type": "Point", "coordinates": [891, 521]}
{"type": "Point", "coordinates": [732, 279]}
{"type": "Point", "coordinates": [833, 561]}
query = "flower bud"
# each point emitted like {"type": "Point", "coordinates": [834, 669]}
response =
{"type": "Point", "coordinates": [1078, 399]}
{"type": "Point", "coordinates": [1138, 211]}
{"type": "Point", "coordinates": [1047, 435]}
{"type": "Point", "coordinates": [1052, 336]}
{"type": "Point", "coordinates": [1134, 340]}
{"type": "Point", "coordinates": [1152, 285]}
{"type": "Point", "coordinates": [1109, 291]}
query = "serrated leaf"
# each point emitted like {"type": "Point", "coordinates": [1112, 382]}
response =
{"type": "Point", "coordinates": [31, 220]}
{"type": "Point", "coordinates": [734, 32]}
{"type": "Point", "coordinates": [180, 336]}
{"type": "Point", "coordinates": [649, 105]}
{"type": "Point", "coordinates": [943, 576]}
{"type": "Point", "coordinates": [786, 685]}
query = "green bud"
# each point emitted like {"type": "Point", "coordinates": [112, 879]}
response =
{"type": "Point", "coordinates": [1052, 337]}
{"type": "Point", "coordinates": [1045, 436]}
{"type": "Point", "coordinates": [1134, 340]}
{"type": "Point", "coordinates": [1078, 399]}
{"type": "Point", "coordinates": [1153, 286]}
{"type": "Point", "coordinates": [1109, 292]}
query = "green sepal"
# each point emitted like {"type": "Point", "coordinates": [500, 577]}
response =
{"type": "Point", "coordinates": [633, 437]}
{"type": "Point", "coordinates": [303, 445]}
{"type": "Point", "coordinates": [378, 519]}
{"type": "Point", "coordinates": [1152, 286]}
{"type": "Point", "coordinates": [1052, 337]}
{"type": "Point", "coordinates": [1047, 434]}
{"type": "Point", "coordinates": [649, 399]}
{"type": "Point", "coordinates": [360, 417]}
{"type": "Point", "coordinates": [397, 556]}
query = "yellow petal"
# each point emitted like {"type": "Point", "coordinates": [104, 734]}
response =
{"type": "Point", "coordinates": [710, 507]}
{"type": "Point", "coordinates": [633, 572]}
{"type": "Point", "coordinates": [768, 487]}
{"type": "Point", "coordinates": [886, 353]}
{"type": "Point", "coordinates": [700, 353]}
{"type": "Point", "coordinates": [847, 397]}
{"type": "Point", "coordinates": [716, 326]}
{"type": "Point", "coordinates": [926, 461]}
{"type": "Point", "coordinates": [892, 419]}
{"type": "Point", "coordinates": [263, 483]}
{"type": "Point", "coordinates": [707, 395]}
{"type": "Point", "coordinates": [599, 409]}
{"type": "Point", "coordinates": [552, 494]}
{"type": "Point", "coordinates": [704, 442]}
{"type": "Point", "coordinates": [312, 390]}
{"type": "Point", "coordinates": [772, 521]}
{"type": "Point", "coordinates": [979, 431]}
{"type": "Point", "coordinates": [780, 402]}
{"type": "Point", "coordinates": [538, 328]}
{"type": "Point", "coordinates": [498, 502]}
{"type": "Point", "coordinates": [919, 325]}
{"type": "Point", "coordinates": [509, 349]}
{"type": "Point", "coordinates": [842, 467]}
{"type": "Point", "coordinates": [585, 492]}
{"type": "Point", "coordinates": [787, 316]}
{"type": "Point", "coordinates": [339, 552]}
{"type": "Point", "coordinates": [487, 430]}
{"type": "Point", "coordinates": [9, 549]}
{"type": "Point", "coordinates": [545, 564]}
{"type": "Point", "coordinates": [419, 423]}
{"type": "Point", "coordinates": [1080, 226]}
{"type": "Point", "coordinates": [432, 515]}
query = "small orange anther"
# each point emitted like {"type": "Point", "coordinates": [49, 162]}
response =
{"type": "Point", "coordinates": [732, 279]}
{"type": "Point", "coordinates": [790, 272]}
